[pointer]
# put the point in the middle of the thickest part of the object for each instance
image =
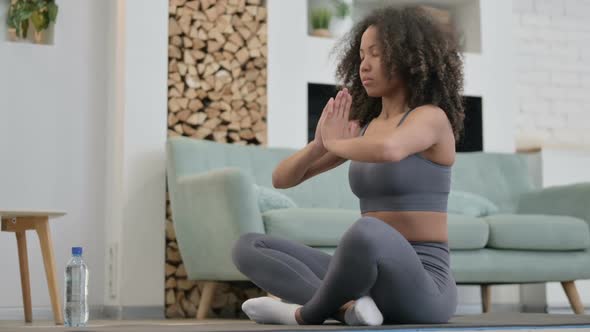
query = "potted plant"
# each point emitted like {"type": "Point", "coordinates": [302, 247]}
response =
{"type": "Point", "coordinates": [342, 20]}
{"type": "Point", "coordinates": [41, 13]}
{"type": "Point", "coordinates": [18, 16]}
{"type": "Point", "coordinates": [320, 22]}
{"type": "Point", "coordinates": [12, 32]}
{"type": "Point", "coordinates": [45, 13]}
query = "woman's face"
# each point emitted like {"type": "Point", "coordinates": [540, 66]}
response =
{"type": "Point", "coordinates": [373, 75]}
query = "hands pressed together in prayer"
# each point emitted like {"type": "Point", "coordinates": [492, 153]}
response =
{"type": "Point", "coordinates": [334, 123]}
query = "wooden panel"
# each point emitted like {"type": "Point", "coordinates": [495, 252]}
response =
{"type": "Point", "coordinates": [17, 224]}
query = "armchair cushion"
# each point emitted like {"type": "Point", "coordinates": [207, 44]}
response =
{"type": "Point", "coordinates": [566, 200]}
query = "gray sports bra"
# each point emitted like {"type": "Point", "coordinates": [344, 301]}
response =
{"type": "Point", "coordinates": [412, 184]}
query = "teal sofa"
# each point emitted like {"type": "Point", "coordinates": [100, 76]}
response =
{"type": "Point", "coordinates": [534, 235]}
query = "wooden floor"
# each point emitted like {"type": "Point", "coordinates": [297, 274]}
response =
{"type": "Point", "coordinates": [243, 325]}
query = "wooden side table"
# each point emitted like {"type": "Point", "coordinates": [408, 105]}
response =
{"type": "Point", "coordinates": [19, 222]}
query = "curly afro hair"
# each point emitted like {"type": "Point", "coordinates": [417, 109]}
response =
{"type": "Point", "coordinates": [419, 50]}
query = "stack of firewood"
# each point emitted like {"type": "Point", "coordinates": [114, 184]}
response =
{"type": "Point", "coordinates": [216, 91]}
{"type": "Point", "coordinates": [217, 70]}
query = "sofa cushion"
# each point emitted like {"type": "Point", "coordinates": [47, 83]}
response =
{"type": "Point", "coordinates": [463, 202]}
{"type": "Point", "coordinates": [537, 232]}
{"type": "Point", "coordinates": [310, 226]}
{"type": "Point", "coordinates": [323, 227]}
{"type": "Point", "coordinates": [467, 232]}
{"type": "Point", "coordinates": [518, 266]}
{"type": "Point", "coordinates": [271, 199]}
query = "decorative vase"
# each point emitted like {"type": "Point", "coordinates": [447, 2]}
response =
{"type": "Point", "coordinates": [321, 33]}
{"type": "Point", "coordinates": [12, 34]}
{"type": "Point", "coordinates": [339, 26]}
{"type": "Point", "coordinates": [38, 36]}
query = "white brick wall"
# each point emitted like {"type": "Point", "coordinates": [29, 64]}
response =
{"type": "Point", "coordinates": [552, 51]}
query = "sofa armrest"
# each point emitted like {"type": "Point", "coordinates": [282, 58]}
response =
{"type": "Point", "coordinates": [210, 211]}
{"type": "Point", "coordinates": [567, 200]}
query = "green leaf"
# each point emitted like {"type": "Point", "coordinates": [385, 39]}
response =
{"type": "Point", "coordinates": [22, 16]}
{"type": "Point", "coordinates": [52, 12]}
{"type": "Point", "coordinates": [10, 19]}
{"type": "Point", "coordinates": [38, 20]}
{"type": "Point", "coordinates": [342, 8]}
{"type": "Point", "coordinates": [326, 16]}
{"type": "Point", "coordinates": [314, 20]}
{"type": "Point", "coordinates": [24, 28]}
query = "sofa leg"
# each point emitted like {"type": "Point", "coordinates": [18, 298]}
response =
{"type": "Point", "coordinates": [486, 298]}
{"type": "Point", "coordinates": [206, 299]}
{"type": "Point", "coordinates": [573, 296]}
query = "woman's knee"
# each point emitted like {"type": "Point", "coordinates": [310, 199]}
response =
{"type": "Point", "coordinates": [362, 235]}
{"type": "Point", "coordinates": [243, 249]}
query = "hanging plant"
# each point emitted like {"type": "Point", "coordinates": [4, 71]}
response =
{"type": "Point", "coordinates": [40, 13]}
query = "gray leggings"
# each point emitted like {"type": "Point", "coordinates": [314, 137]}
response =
{"type": "Point", "coordinates": [411, 282]}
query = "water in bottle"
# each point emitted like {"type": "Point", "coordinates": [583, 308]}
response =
{"type": "Point", "coordinates": [76, 290]}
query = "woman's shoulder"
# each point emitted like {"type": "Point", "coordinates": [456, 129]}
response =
{"type": "Point", "coordinates": [431, 113]}
{"type": "Point", "coordinates": [430, 109]}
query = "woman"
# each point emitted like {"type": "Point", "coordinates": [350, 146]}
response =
{"type": "Point", "coordinates": [393, 264]}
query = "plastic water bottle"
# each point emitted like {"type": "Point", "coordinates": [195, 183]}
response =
{"type": "Point", "coordinates": [76, 290]}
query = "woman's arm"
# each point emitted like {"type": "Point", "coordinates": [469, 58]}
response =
{"type": "Point", "coordinates": [420, 131]}
{"type": "Point", "coordinates": [326, 163]}
{"type": "Point", "coordinates": [314, 158]}
{"type": "Point", "coordinates": [304, 164]}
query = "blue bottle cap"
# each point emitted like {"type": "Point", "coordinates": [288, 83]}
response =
{"type": "Point", "coordinates": [77, 251]}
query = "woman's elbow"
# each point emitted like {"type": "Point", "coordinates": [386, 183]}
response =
{"type": "Point", "coordinates": [390, 152]}
{"type": "Point", "coordinates": [278, 181]}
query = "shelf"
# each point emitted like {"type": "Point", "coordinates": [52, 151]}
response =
{"type": "Point", "coordinates": [320, 68]}
{"type": "Point", "coordinates": [464, 13]}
